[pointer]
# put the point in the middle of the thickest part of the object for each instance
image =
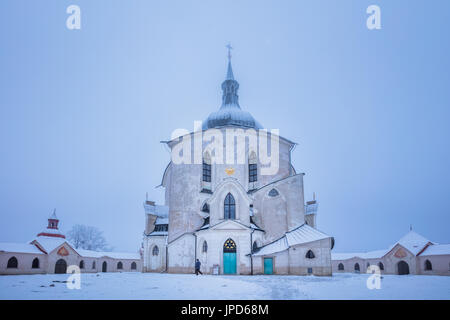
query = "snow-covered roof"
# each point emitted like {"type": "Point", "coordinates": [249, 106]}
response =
{"type": "Point", "coordinates": [304, 234]}
{"type": "Point", "coordinates": [300, 235]}
{"type": "Point", "coordinates": [413, 242]}
{"type": "Point", "coordinates": [254, 226]}
{"type": "Point", "coordinates": [158, 210]}
{"type": "Point", "coordinates": [159, 233]}
{"type": "Point", "coordinates": [274, 247]}
{"type": "Point", "coordinates": [436, 249]}
{"type": "Point", "coordinates": [114, 255]}
{"type": "Point", "coordinates": [161, 220]}
{"type": "Point", "coordinates": [345, 255]}
{"type": "Point", "coordinates": [52, 231]}
{"type": "Point", "coordinates": [50, 243]}
{"type": "Point", "coordinates": [376, 254]}
{"type": "Point", "coordinates": [19, 248]}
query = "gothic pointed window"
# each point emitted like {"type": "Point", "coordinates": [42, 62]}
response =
{"type": "Point", "coordinates": [81, 264]}
{"type": "Point", "coordinates": [310, 255]}
{"type": "Point", "coordinates": [205, 208]}
{"type": "Point", "coordinates": [35, 264]}
{"type": "Point", "coordinates": [356, 267]}
{"type": "Point", "coordinates": [12, 263]}
{"type": "Point", "coordinates": [206, 168]}
{"type": "Point", "coordinates": [119, 265]}
{"type": "Point", "coordinates": [133, 266]}
{"type": "Point", "coordinates": [155, 251]}
{"type": "Point", "coordinates": [255, 246]}
{"type": "Point", "coordinates": [229, 207]}
{"type": "Point", "coordinates": [252, 168]}
{"type": "Point", "coordinates": [205, 247]}
{"type": "Point", "coordinates": [341, 267]}
{"type": "Point", "coordinates": [381, 265]}
{"type": "Point", "coordinates": [273, 193]}
{"type": "Point", "coordinates": [229, 246]}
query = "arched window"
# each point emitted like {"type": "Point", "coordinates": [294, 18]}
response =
{"type": "Point", "coordinates": [428, 265]}
{"type": "Point", "coordinates": [255, 246]}
{"type": "Point", "coordinates": [229, 207]}
{"type": "Point", "coordinates": [93, 264]}
{"type": "Point", "coordinates": [155, 251]}
{"type": "Point", "coordinates": [12, 263]}
{"type": "Point", "coordinates": [341, 267]}
{"type": "Point", "coordinates": [82, 264]}
{"type": "Point", "coordinates": [310, 255]}
{"type": "Point", "coordinates": [206, 167]}
{"type": "Point", "coordinates": [229, 246]}
{"type": "Point", "coordinates": [35, 263]}
{"type": "Point", "coordinates": [205, 208]}
{"type": "Point", "coordinates": [133, 265]}
{"type": "Point", "coordinates": [252, 167]}
{"type": "Point", "coordinates": [381, 265]}
{"type": "Point", "coordinates": [205, 247]}
{"type": "Point", "coordinates": [356, 267]}
{"type": "Point", "coordinates": [119, 265]}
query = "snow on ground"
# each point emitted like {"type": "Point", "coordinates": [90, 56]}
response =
{"type": "Point", "coordinates": [187, 286]}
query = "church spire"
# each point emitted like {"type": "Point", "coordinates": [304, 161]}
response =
{"type": "Point", "coordinates": [230, 75]}
{"type": "Point", "coordinates": [230, 86]}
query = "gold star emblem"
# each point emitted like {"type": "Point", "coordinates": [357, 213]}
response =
{"type": "Point", "coordinates": [229, 171]}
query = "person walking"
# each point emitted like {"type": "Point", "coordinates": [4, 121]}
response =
{"type": "Point", "coordinates": [197, 267]}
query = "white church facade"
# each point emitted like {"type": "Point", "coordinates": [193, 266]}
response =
{"type": "Point", "coordinates": [232, 217]}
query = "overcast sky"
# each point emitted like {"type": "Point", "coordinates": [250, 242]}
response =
{"type": "Point", "coordinates": [82, 112]}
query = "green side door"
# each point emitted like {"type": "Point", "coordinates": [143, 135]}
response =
{"type": "Point", "coordinates": [268, 265]}
{"type": "Point", "coordinates": [229, 262]}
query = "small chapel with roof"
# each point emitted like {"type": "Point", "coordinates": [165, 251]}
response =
{"type": "Point", "coordinates": [233, 218]}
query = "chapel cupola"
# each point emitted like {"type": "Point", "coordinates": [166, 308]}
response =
{"type": "Point", "coordinates": [52, 227]}
{"type": "Point", "coordinates": [230, 112]}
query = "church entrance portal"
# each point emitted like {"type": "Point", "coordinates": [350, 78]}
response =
{"type": "Point", "coordinates": [402, 267]}
{"type": "Point", "coordinates": [229, 257]}
{"type": "Point", "coordinates": [61, 266]}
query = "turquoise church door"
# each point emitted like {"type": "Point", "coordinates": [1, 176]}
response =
{"type": "Point", "coordinates": [268, 265]}
{"type": "Point", "coordinates": [229, 257]}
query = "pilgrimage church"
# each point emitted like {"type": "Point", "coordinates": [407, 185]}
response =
{"type": "Point", "coordinates": [232, 217]}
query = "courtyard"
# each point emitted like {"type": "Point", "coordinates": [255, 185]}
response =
{"type": "Point", "coordinates": [187, 286]}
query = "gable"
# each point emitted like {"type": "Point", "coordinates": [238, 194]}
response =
{"type": "Point", "coordinates": [229, 225]}
{"type": "Point", "coordinates": [399, 252]}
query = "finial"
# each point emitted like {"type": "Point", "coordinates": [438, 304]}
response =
{"type": "Point", "coordinates": [146, 196]}
{"type": "Point", "coordinates": [53, 216]}
{"type": "Point", "coordinates": [229, 47]}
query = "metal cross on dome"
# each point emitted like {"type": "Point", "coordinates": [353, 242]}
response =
{"type": "Point", "coordinates": [229, 47]}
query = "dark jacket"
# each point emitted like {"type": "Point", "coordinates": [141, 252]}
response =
{"type": "Point", "coordinates": [197, 265]}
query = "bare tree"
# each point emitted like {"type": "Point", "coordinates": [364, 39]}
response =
{"type": "Point", "coordinates": [88, 238]}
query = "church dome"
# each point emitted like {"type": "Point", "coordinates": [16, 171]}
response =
{"type": "Point", "coordinates": [230, 113]}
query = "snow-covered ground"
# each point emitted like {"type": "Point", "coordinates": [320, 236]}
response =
{"type": "Point", "coordinates": [187, 286]}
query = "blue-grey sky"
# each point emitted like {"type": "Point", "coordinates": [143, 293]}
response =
{"type": "Point", "coordinates": [82, 111]}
